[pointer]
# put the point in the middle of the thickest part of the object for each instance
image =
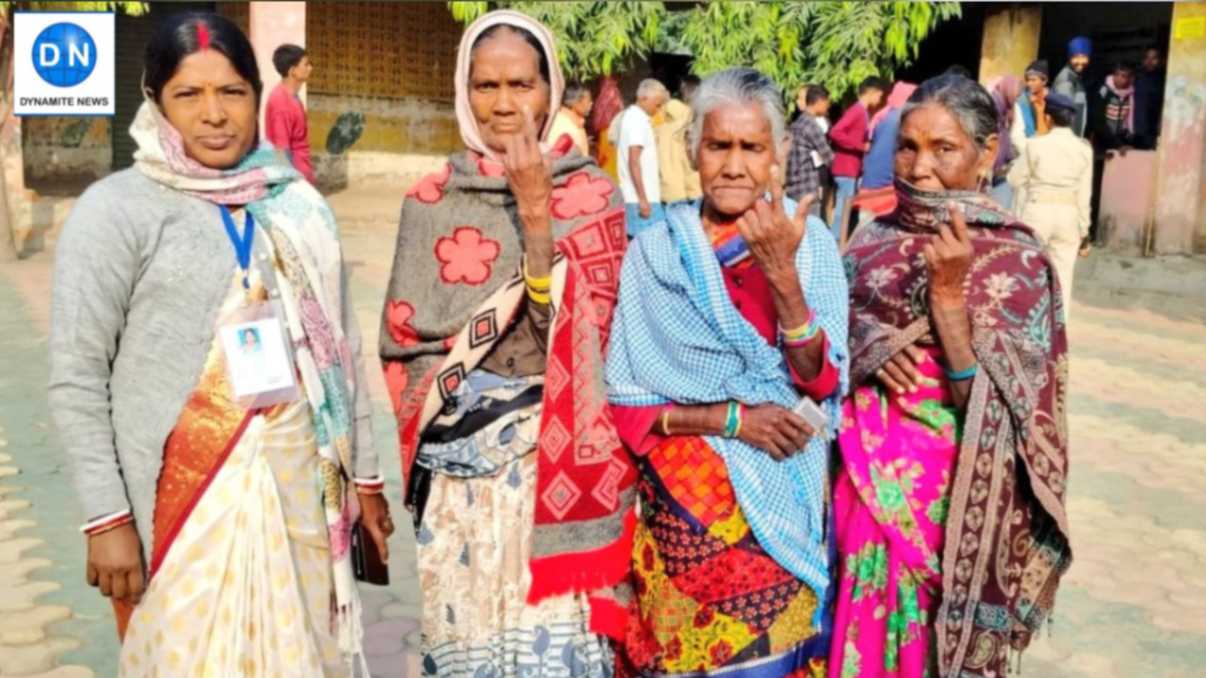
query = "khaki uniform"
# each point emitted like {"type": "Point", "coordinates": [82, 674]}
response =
{"type": "Point", "coordinates": [1055, 173]}
{"type": "Point", "coordinates": [679, 179]}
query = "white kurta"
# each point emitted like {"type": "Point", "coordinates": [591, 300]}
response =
{"type": "Point", "coordinates": [1055, 173]}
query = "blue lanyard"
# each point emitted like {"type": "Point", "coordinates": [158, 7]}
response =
{"type": "Point", "coordinates": [242, 244]}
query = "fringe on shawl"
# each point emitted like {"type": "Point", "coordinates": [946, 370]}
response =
{"type": "Point", "coordinates": [587, 571]}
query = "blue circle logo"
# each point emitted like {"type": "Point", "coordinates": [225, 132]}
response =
{"type": "Point", "coordinates": [64, 55]}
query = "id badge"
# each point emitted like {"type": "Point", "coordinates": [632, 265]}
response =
{"type": "Point", "coordinates": [259, 359]}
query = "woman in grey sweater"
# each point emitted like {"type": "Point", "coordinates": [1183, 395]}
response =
{"type": "Point", "coordinates": [220, 482]}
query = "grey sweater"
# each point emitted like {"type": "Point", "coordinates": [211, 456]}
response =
{"type": "Point", "coordinates": [140, 273]}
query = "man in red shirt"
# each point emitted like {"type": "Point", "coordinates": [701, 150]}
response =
{"type": "Point", "coordinates": [850, 141]}
{"type": "Point", "coordinates": [285, 117]}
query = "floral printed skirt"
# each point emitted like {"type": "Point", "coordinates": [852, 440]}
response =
{"type": "Point", "coordinates": [890, 501]}
{"type": "Point", "coordinates": [884, 607]}
{"type": "Point", "coordinates": [710, 601]}
{"type": "Point", "coordinates": [473, 550]}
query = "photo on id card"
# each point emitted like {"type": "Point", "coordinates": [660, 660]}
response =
{"type": "Point", "coordinates": [259, 362]}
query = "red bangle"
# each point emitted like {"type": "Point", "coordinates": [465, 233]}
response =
{"type": "Point", "coordinates": [370, 485]}
{"type": "Point", "coordinates": [106, 523]}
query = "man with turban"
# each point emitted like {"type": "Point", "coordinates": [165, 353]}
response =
{"type": "Point", "coordinates": [1070, 81]}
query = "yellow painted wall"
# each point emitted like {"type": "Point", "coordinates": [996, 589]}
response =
{"type": "Point", "coordinates": [406, 125]}
{"type": "Point", "coordinates": [66, 148]}
{"type": "Point", "coordinates": [1011, 40]}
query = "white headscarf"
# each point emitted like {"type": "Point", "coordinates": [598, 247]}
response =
{"type": "Point", "coordinates": [470, 133]}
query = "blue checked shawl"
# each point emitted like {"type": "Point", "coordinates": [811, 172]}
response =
{"type": "Point", "coordinates": [677, 338]}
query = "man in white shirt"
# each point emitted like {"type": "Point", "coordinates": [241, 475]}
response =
{"type": "Point", "coordinates": [640, 182]}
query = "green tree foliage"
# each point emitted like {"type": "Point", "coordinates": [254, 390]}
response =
{"type": "Point", "coordinates": [836, 44]}
{"type": "Point", "coordinates": [593, 38]}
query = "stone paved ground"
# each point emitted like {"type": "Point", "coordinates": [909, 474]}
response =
{"type": "Point", "coordinates": [1131, 605]}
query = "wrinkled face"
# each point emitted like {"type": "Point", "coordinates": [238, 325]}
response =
{"type": "Point", "coordinates": [1151, 60]}
{"type": "Point", "coordinates": [212, 107]}
{"type": "Point", "coordinates": [1079, 62]}
{"type": "Point", "coordinates": [1123, 78]}
{"type": "Point", "coordinates": [935, 154]}
{"type": "Point", "coordinates": [504, 80]}
{"type": "Point", "coordinates": [301, 72]}
{"type": "Point", "coordinates": [1036, 83]}
{"type": "Point", "coordinates": [582, 106]}
{"type": "Point", "coordinates": [736, 153]}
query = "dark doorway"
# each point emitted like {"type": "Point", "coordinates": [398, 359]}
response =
{"type": "Point", "coordinates": [954, 43]}
{"type": "Point", "coordinates": [1119, 31]}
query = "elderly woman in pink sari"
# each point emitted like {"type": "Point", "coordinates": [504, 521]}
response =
{"type": "Point", "coordinates": [949, 501]}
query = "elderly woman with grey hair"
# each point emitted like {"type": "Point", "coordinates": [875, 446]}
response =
{"type": "Point", "coordinates": [949, 501]}
{"type": "Point", "coordinates": [730, 328]}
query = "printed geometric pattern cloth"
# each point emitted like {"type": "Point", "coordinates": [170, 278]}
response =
{"type": "Point", "coordinates": [709, 598]}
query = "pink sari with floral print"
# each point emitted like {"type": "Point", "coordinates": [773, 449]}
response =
{"type": "Point", "coordinates": [890, 503]}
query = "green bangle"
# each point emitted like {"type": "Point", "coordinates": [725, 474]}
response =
{"type": "Point", "coordinates": [731, 420]}
{"type": "Point", "coordinates": [963, 375]}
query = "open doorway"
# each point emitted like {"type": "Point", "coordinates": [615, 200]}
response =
{"type": "Point", "coordinates": [1119, 31]}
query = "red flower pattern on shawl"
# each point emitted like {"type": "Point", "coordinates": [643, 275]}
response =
{"type": "Point", "coordinates": [467, 256]}
{"type": "Point", "coordinates": [490, 168]}
{"type": "Point", "coordinates": [398, 315]}
{"type": "Point", "coordinates": [396, 379]}
{"type": "Point", "coordinates": [430, 189]}
{"type": "Point", "coordinates": [582, 195]}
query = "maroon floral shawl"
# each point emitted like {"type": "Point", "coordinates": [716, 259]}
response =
{"type": "Point", "coordinates": [1007, 540]}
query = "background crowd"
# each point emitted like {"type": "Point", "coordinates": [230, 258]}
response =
{"type": "Point", "coordinates": [845, 157]}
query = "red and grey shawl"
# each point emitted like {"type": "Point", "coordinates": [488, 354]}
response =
{"type": "Point", "coordinates": [455, 289]}
{"type": "Point", "coordinates": [1007, 540]}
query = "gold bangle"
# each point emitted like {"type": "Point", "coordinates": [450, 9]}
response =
{"type": "Point", "coordinates": [539, 284]}
{"type": "Point", "coordinates": [540, 297]}
{"type": "Point", "coordinates": [666, 422]}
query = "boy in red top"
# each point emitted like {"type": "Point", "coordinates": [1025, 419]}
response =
{"type": "Point", "coordinates": [285, 117]}
{"type": "Point", "coordinates": [850, 142]}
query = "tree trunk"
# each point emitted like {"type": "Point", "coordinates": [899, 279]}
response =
{"type": "Point", "coordinates": [8, 243]}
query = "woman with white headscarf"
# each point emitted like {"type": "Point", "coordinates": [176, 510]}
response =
{"type": "Point", "coordinates": [492, 340]}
